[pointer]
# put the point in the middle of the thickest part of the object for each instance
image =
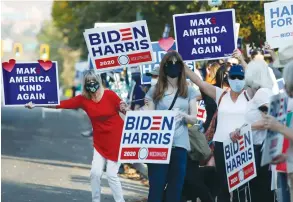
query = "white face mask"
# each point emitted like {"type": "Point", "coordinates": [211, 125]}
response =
{"type": "Point", "coordinates": [154, 81]}
{"type": "Point", "coordinates": [236, 85]}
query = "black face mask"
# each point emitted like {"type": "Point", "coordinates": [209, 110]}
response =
{"type": "Point", "coordinates": [173, 70]}
{"type": "Point", "coordinates": [92, 87]}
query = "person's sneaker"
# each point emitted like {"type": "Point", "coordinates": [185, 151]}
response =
{"type": "Point", "coordinates": [88, 133]}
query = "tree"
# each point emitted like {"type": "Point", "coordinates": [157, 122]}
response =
{"type": "Point", "coordinates": [250, 15]}
{"type": "Point", "coordinates": [59, 51]}
{"type": "Point", "coordinates": [50, 35]}
{"type": "Point", "coordinates": [72, 18]}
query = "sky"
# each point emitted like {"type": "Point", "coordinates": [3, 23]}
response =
{"type": "Point", "coordinates": [23, 15]}
{"type": "Point", "coordinates": [22, 20]}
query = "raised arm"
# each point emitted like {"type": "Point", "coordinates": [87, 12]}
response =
{"type": "Point", "coordinates": [205, 87]}
{"type": "Point", "coordinates": [271, 51]}
{"type": "Point", "coordinates": [237, 54]}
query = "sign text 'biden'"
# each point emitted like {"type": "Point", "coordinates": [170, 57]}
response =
{"type": "Point", "coordinates": [147, 137]}
{"type": "Point", "coordinates": [116, 46]}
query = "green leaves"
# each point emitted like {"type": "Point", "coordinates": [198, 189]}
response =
{"type": "Point", "coordinates": [72, 18]}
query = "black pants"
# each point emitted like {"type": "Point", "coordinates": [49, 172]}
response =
{"type": "Point", "coordinates": [195, 182]}
{"type": "Point", "coordinates": [260, 186]}
{"type": "Point", "coordinates": [224, 195]}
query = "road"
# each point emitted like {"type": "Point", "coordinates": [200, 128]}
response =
{"type": "Point", "coordinates": [46, 159]}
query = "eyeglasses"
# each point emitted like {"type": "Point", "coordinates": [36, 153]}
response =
{"type": "Point", "coordinates": [236, 77]}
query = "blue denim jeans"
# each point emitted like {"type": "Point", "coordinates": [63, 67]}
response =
{"type": "Point", "coordinates": [283, 193]}
{"type": "Point", "coordinates": [171, 174]}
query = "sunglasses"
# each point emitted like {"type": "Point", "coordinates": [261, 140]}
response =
{"type": "Point", "coordinates": [236, 77]}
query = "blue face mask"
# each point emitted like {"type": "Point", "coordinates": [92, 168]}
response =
{"type": "Point", "coordinates": [236, 85]}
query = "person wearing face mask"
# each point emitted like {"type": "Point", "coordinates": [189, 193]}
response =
{"type": "Point", "coordinates": [231, 105]}
{"type": "Point", "coordinates": [172, 88]}
{"type": "Point", "coordinates": [259, 88]}
{"type": "Point", "coordinates": [154, 74]}
{"type": "Point", "coordinates": [103, 108]}
{"type": "Point", "coordinates": [258, 54]}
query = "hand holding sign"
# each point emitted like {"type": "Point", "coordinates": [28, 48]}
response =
{"type": "Point", "coordinates": [237, 54]}
{"type": "Point", "coordinates": [235, 135]}
{"type": "Point", "coordinates": [279, 159]}
{"type": "Point", "coordinates": [267, 47]}
{"type": "Point", "coordinates": [124, 107]}
{"type": "Point", "coordinates": [29, 105]}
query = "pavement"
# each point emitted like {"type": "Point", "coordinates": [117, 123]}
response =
{"type": "Point", "coordinates": [45, 159]}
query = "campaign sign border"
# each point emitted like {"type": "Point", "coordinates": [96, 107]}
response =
{"type": "Point", "coordinates": [278, 36]}
{"type": "Point", "coordinates": [30, 62]}
{"type": "Point", "coordinates": [115, 57]}
{"type": "Point", "coordinates": [207, 12]}
{"type": "Point", "coordinates": [139, 147]}
{"type": "Point", "coordinates": [244, 167]}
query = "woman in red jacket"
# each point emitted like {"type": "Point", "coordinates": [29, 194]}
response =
{"type": "Point", "coordinates": [103, 107]}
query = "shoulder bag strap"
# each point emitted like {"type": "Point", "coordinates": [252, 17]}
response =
{"type": "Point", "coordinates": [224, 93]}
{"type": "Point", "coordinates": [246, 96]}
{"type": "Point", "coordinates": [174, 100]}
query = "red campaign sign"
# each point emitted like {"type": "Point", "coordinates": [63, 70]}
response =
{"type": "Point", "coordinates": [140, 57]}
{"type": "Point", "coordinates": [235, 179]}
{"type": "Point", "coordinates": [157, 154]}
{"type": "Point", "coordinates": [282, 167]}
{"type": "Point", "coordinates": [129, 153]}
{"type": "Point", "coordinates": [116, 61]}
{"type": "Point", "coordinates": [107, 62]}
{"type": "Point", "coordinates": [200, 113]}
{"type": "Point", "coordinates": [134, 153]}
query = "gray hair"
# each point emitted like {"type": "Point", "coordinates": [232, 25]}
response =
{"type": "Point", "coordinates": [288, 77]}
{"type": "Point", "coordinates": [90, 75]}
{"type": "Point", "coordinates": [258, 75]}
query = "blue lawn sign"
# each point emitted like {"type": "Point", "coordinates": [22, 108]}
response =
{"type": "Point", "coordinates": [205, 35]}
{"type": "Point", "coordinates": [35, 82]}
{"type": "Point", "coordinates": [158, 54]}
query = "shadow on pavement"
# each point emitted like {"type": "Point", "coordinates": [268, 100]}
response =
{"type": "Point", "coordinates": [24, 133]}
{"type": "Point", "coordinates": [12, 192]}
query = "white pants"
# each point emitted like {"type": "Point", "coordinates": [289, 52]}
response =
{"type": "Point", "coordinates": [112, 168]}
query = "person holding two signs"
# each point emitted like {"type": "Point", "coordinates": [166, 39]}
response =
{"type": "Point", "coordinates": [103, 108]}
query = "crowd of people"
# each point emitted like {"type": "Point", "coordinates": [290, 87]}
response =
{"type": "Point", "coordinates": [235, 92]}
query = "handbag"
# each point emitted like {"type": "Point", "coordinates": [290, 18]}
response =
{"type": "Point", "coordinates": [200, 150]}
